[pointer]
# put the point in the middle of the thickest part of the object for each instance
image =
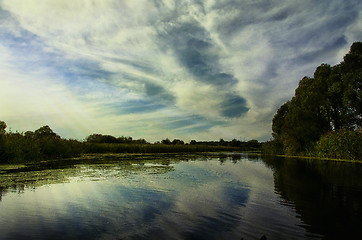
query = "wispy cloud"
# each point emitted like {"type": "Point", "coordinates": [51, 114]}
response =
{"type": "Point", "coordinates": [157, 69]}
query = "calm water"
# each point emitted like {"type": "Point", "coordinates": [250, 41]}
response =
{"type": "Point", "coordinates": [182, 197]}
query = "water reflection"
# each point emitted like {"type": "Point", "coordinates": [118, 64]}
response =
{"type": "Point", "coordinates": [218, 196]}
{"type": "Point", "coordinates": [57, 171]}
{"type": "Point", "coordinates": [327, 195]}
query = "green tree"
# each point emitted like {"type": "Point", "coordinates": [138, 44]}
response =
{"type": "Point", "coordinates": [328, 102]}
{"type": "Point", "coordinates": [178, 142]}
{"type": "Point", "coordinates": [45, 132]}
{"type": "Point", "coordinates": [166, 141]}
{"type": "Point", "coordinates": [2, 128]}
{"type": "Point", "coordinates": [351, 70]}
{"type": "Point", "coordinates": [2, 140]}
{"type": "Point", "coordinates": [279, 118]}
{"type": "Point", "coordinates": [299, 122]}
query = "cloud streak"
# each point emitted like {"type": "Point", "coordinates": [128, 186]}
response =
{"type": "Point", "coordinates": [145, 68]}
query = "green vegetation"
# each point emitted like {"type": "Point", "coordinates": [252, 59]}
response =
{"type": "Point", "coordinates": [35, 146]}
{"type": "Point", "coordinates": [324, 117]}
{"type": "Point", "coordinates": [98, 143]}
{"type": "Point", "coordinates": [44, 144]}
{"type": "Point", "coordinates": [339, 144]}
{"type": "Point", "coordinates": [151, 148]}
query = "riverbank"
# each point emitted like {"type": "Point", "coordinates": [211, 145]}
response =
{"type": "Point", "coordinates": [314, 158]}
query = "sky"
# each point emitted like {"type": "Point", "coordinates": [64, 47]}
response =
{"type": "Point", "coordinates": [157, 69]}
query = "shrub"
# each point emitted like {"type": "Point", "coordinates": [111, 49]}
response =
{"type": "Point", "coordinates": [342, 144]}
{"type": "Point", "coordinates": [35, 146]}
{"type": "Point", "coordinates": [274, 147]}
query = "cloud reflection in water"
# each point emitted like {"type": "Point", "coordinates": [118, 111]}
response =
{"type": "Point", "coordinates": [151, 200]}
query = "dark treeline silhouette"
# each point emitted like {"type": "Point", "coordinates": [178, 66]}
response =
{"type": "Point", "coordinates": [98, 143]}
{"type": "Point", "coordinates": [324, 117]}
{"type": "Point", "coordinates": [322, 194]}
{"type": "Point", "coordinates": [249, 145]}
{"type": "Point", "coordinates": [43, 144]}
{"type": "Point", "coordinates": [99, 138]}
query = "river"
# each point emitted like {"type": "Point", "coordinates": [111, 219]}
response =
{"type": "Point", "coordinates": [174, 196]}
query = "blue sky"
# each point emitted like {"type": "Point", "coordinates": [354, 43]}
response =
{"type": "Point", "coordinates": [199, 70]}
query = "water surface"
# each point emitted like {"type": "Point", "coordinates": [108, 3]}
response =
{"type": "Point", "coordinates": [181, 197]}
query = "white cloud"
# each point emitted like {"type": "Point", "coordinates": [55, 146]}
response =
{"type": "Point", "coordinates": [29, 102]}
{"type": "Point", "coordinates": [104, 53]}
{"type": "Point", "coordinates": [197, 98]}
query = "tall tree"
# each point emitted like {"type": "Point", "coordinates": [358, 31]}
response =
{"type": "Point", "coordinates": [328, 102]}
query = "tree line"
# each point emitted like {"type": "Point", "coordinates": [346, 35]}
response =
{"type": "Point", "coordinates": [323, 118]}
{"type": "Point", "coordinates": [100, 138]}
{"type": "Point", "coordinates": [41, 144]}
{"type": "Point", "coordinates": [44, 143]}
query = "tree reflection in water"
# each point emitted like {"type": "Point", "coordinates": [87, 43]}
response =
{"type": "Point", "coordinates": [327, 195]}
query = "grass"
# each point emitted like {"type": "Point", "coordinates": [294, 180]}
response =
{"type": "Point", "coordinates": [316, 158]}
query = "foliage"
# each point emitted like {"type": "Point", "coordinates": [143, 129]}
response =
{"type": "Point", "coordinates": [151, 148]}
{"type": "Point", "coordinates": [2, 139]}
{"type": "Point", "coordinates": [339, 144]}
{"type": "Point", "coordinates": [173, 142]}
{"type": "Point", "coordinates": [41, 144]}
{"type": "Point", "coordinates": [252, 145]}
{"type": "Point", "coordinates": [328, 102]}
{"type": "Point", "coordinates": [274, 147]}
{"type": "Point", "coordinates": [166, 141]}
{"type": "Point", "coordinates": [99, 138]}
{"type": "Point", "coordinates": [2, 127]}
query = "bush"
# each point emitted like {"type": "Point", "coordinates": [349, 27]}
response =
{"type": "Point", "coordinates": [35, 146]}
{"type": "Point", "coordinates": [274, 147]}
{"type": "Point", "coordinates": [20, 149]}
{"type": "Point", "coordinates": [342, 144]}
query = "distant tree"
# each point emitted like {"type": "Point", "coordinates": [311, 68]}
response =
{"type": "Point", "coordinates": [99, 138]}
{"type": "Point", "coordinates": [124, 139]}
{"type": "Point", "coordinates": [178, 142]}
{"type": "Point", "coordinates": [43, 143]}
{"type": "Point", "coordinates": [140, 141]}
{"type": "Point", "coordinates": [253, 144]}
{"type": "Point", "coordinates": [128, 139]}
{"type": "Point", "coordinates": [235, 143]}
{"type": "Point", "coordinates": [94, 138]}
{"type": "Point", "coordinates": [109, 139]}
{"type": "Point", "coordinates": [29, 134]}
{"type": "Point", "coordinates": [121, 139]}
{"type": "Point", "coordinates": [2, 128]}
{"type": "Point", "coordinates": [193, 142]}
{"type": "Point", "coordinates": [2, 140]}
{"type": "Point", "coordinates": [166, 141]}
{"type": "Point", "coordinates": [45, 132]}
